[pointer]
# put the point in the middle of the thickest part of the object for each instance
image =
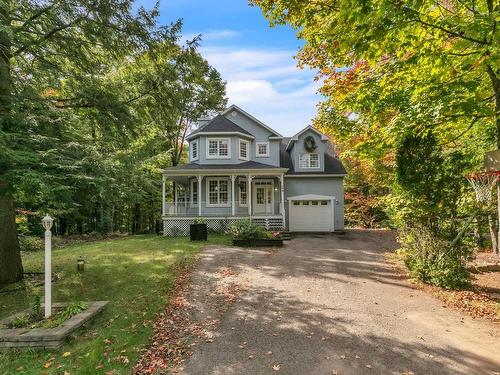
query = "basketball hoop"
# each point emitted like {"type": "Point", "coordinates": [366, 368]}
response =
{"type": "Point", "coordinates": [483, 183]}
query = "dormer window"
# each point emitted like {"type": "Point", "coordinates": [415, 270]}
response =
{"type": "Point", "coordinates": [244, 145]}
{"type": "Point", "coordinates": [307, 161]}
{"type": "Point", "coordinates": [194, 150]}
{"type": "Point", "coordinates": [218, 148]}
{"type": "Point", "coordinates": [262, 149]}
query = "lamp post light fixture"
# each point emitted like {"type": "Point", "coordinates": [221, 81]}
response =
{"type": "Point", "coordinates": [80, 264]}
{"type": "Point", "coordinates": [47, 222]}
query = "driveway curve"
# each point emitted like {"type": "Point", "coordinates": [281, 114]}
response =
{"type": "Point", "coordinates": [328, 304]}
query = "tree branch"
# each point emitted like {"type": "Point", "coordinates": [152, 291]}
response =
{"type": "Point", "coordinates": [48, 35]}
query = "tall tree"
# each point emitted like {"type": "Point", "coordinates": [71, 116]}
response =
{"type": "Point", "coordinates": [50, 48]}
{"type": "Point", "coordinates": [403, 64]}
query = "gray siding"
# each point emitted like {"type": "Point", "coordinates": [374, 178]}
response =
{"type": "Point", "coordinates": [226, 211]}
{"type": "Point", "coordinates": [260, 133]}
{"type": "Point", "coordinates": [299, 148]}
{"type": "Point", "coordinates": [331, 186]}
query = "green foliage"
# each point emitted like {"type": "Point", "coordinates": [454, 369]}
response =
{"type": "Point", "coordinates": [430, 259]}
{"type": "Point", "coordinates": [31, 243]}
{"type": "Point", "coordinates": [20, 322]}
{"type": "Point", "coordinates": [37, 312]}
{"type": "Point", "coordinates": [95, 99]}
{"type": "Point", "coordinates": [245, 229]}
{"type": "Point", "coordinates": [134, 273]}
{"type": "Point", "coordinates": [60, 317]}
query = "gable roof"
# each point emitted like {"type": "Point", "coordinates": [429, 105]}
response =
{"type": "Point", "coordinates": [295, 138]}
{"type": "Point", "coordinates": [220, 124]}
{"type": "Point", "coordinates": [333, 166]}
{"type": "Point", "coordinates": [236, 108]}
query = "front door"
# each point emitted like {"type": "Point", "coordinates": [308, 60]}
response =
{"type": "Point", "coordinates": [263, 197]}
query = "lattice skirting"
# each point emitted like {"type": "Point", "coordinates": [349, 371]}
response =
{"type": "Point", "coordinates": [180, 226]}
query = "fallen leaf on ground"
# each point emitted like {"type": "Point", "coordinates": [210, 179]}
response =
{"type": "Point", "coordinates": [66, 354]}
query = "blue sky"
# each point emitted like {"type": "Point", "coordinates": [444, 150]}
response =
{"type": "Point", "coordinates": [256, 61]}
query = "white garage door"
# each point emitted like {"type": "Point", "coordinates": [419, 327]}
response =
{"type": "Point", "coordinates": [312, 215]}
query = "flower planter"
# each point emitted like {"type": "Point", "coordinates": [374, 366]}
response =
{"type": "Point", "coordinates": [265, 242]}
{"type": "Point", "coordinates": [198, 232]}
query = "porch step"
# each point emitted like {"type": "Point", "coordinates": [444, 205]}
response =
{"type": "Point", "coordinates": [286, 236]}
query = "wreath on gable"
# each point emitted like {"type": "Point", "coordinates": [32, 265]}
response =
{"type": "Point", "coordinates": [310, 143]}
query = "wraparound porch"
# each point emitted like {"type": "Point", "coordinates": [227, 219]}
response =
{"type": "Point", "coordinates": [219, 197]}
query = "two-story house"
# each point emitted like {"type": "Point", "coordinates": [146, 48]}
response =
{"type": "Point", "coordinates": [240, 168]}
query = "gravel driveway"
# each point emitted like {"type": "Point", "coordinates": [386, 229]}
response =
{"type": "Point", "coordinates": [328, 304]}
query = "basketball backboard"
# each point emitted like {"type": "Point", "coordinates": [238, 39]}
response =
{"type": "Point", "coordinates": [492, 161]}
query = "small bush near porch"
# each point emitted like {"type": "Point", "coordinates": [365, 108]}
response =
{"type": "Point", "coordinates": [134, 274]}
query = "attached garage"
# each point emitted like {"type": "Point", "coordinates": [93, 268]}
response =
{"type": "Point", "coordinates": [311, 213]}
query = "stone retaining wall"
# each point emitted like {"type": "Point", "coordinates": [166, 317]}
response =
{"type": "Point", "coordinates": [46, 338]}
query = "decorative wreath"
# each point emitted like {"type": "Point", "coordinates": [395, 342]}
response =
{"type": "Point", "coordinates": [310, 143]}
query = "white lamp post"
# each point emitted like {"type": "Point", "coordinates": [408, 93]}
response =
{"type": "Point", "coordinates": [47, 222]}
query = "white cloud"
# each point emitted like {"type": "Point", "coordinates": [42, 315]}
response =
{"type": "Point", "coordinates": [267, 84]}
{"type": "Point", "coordinates": [213, 35]}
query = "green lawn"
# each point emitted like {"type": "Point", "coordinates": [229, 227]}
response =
{"type": "Point", "coordinates": [134, 274]}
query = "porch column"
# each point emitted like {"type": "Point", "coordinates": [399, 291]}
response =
{"type": "Point", "coordinates": [175, 197]}
{"type": "Point", "coordinates": [199, 194]}
{"type": "Point", "coordinates": [249, 194]}
{"type": "Point", "coordinates": [163, 196]}
{"type": "Point", "coordinates": [233, 194]}
{"type": "Point", "coordinates": [282, 203]}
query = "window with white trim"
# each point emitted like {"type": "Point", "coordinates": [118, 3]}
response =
{"type": "Point", "coordinates": [308, 161]}
{"type": "Point", "coordinates": [218, 148]}
{"type": "Point", "coordinates": [244, 145]}
{"type": "Point", "coordinates": [243, 191]}
{"type": "Point", "coordinates": [217, 192]}
{"type": "Point", "coordinates": [262, 149]}
{"type": "Point", "coordinates": [194, 192]}
{"type": "Point", "coordinates": [194, 150]}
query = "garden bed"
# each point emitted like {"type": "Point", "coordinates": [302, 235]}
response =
{"type": "Point", "coordinates": [264, 242]}
{"type": "Point", "coordinates": [45, 338]}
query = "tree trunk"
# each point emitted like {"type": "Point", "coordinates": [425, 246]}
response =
{"type": "Point", "coordinates": [11, 268]}
{"type": "Point", "coordinates": [493, 234]}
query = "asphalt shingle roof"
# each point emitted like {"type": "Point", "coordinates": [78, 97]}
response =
{"type": "Point", "coordinates": [245, 165]}
{"type": "Point", "coordinates": [220, 124]}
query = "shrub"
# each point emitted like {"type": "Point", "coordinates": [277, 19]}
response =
{"type": "Point", "coordinates": [246, 229]}
{"type": "Point", "coordinates": [431, 260]}
{"type": "Point", "coordinates": [31, 243]}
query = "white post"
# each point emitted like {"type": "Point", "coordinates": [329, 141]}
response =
{"type": "Point", "coordinates": [249, 195]}
{"type": "Point", "coordinates": [175, 197]}
{"type": "Point", "coordinates": [199, 195]}
{"type": "Point", "coordinates": [233, 194]}
{"type": "Point", "coordinates": [282, 205]}
{"type": "Point", "coordinates": [163, 196]}
{"type": "Point", "coordinates": [47, 224]}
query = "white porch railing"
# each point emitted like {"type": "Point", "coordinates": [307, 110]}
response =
{"type": "Point", "coordinates": [189, 209]}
